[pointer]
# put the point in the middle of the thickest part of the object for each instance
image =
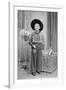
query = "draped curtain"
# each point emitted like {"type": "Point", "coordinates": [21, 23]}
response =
{"type": "Point", "coordinates": [52, 30]}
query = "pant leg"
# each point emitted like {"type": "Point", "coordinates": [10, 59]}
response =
{"type": "Point", "coordinates": [33, 62]}
{"type": "Point", "coordinates": [39, 60]}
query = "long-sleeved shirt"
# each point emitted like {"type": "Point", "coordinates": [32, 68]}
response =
{"type": "Point", "coordinates": [36, 38]}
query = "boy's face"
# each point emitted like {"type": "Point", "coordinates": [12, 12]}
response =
{"type": "Point", "coordinates": [37, 27]}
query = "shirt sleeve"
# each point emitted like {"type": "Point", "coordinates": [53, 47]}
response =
{"type": "Point", "coordinates": [30, 40]}
{"type": "Point", "coordinates": [42, 40]}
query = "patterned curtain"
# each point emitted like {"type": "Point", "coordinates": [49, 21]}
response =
{"type": "Point", "coordinates": [23, 46]}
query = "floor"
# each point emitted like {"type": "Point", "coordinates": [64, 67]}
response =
{"type": "Point", "coordinates": [52, 66]}
{"type": "Point", "coordinates": [23, 74]}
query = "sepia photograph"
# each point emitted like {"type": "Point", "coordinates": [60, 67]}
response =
{"type": "Point", "coordinates": [37, 52]}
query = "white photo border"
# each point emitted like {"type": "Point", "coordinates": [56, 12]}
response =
{"type": "Point", "coordinates": [13, 82]}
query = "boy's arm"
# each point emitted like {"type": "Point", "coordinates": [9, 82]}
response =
{"type": "Point", "coordinates": [41, 44]}
{"type": "Point", "coordinates": [30, 41]}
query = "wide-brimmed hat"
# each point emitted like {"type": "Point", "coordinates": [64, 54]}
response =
{"type": "Point", "coordinates": [36, 21]}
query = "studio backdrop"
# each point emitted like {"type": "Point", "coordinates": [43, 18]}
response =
{"type": "Point", "coordinates": [49, 32]}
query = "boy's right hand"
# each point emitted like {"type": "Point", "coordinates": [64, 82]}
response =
{"type": "Point", "coordinates": [34, 46]}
